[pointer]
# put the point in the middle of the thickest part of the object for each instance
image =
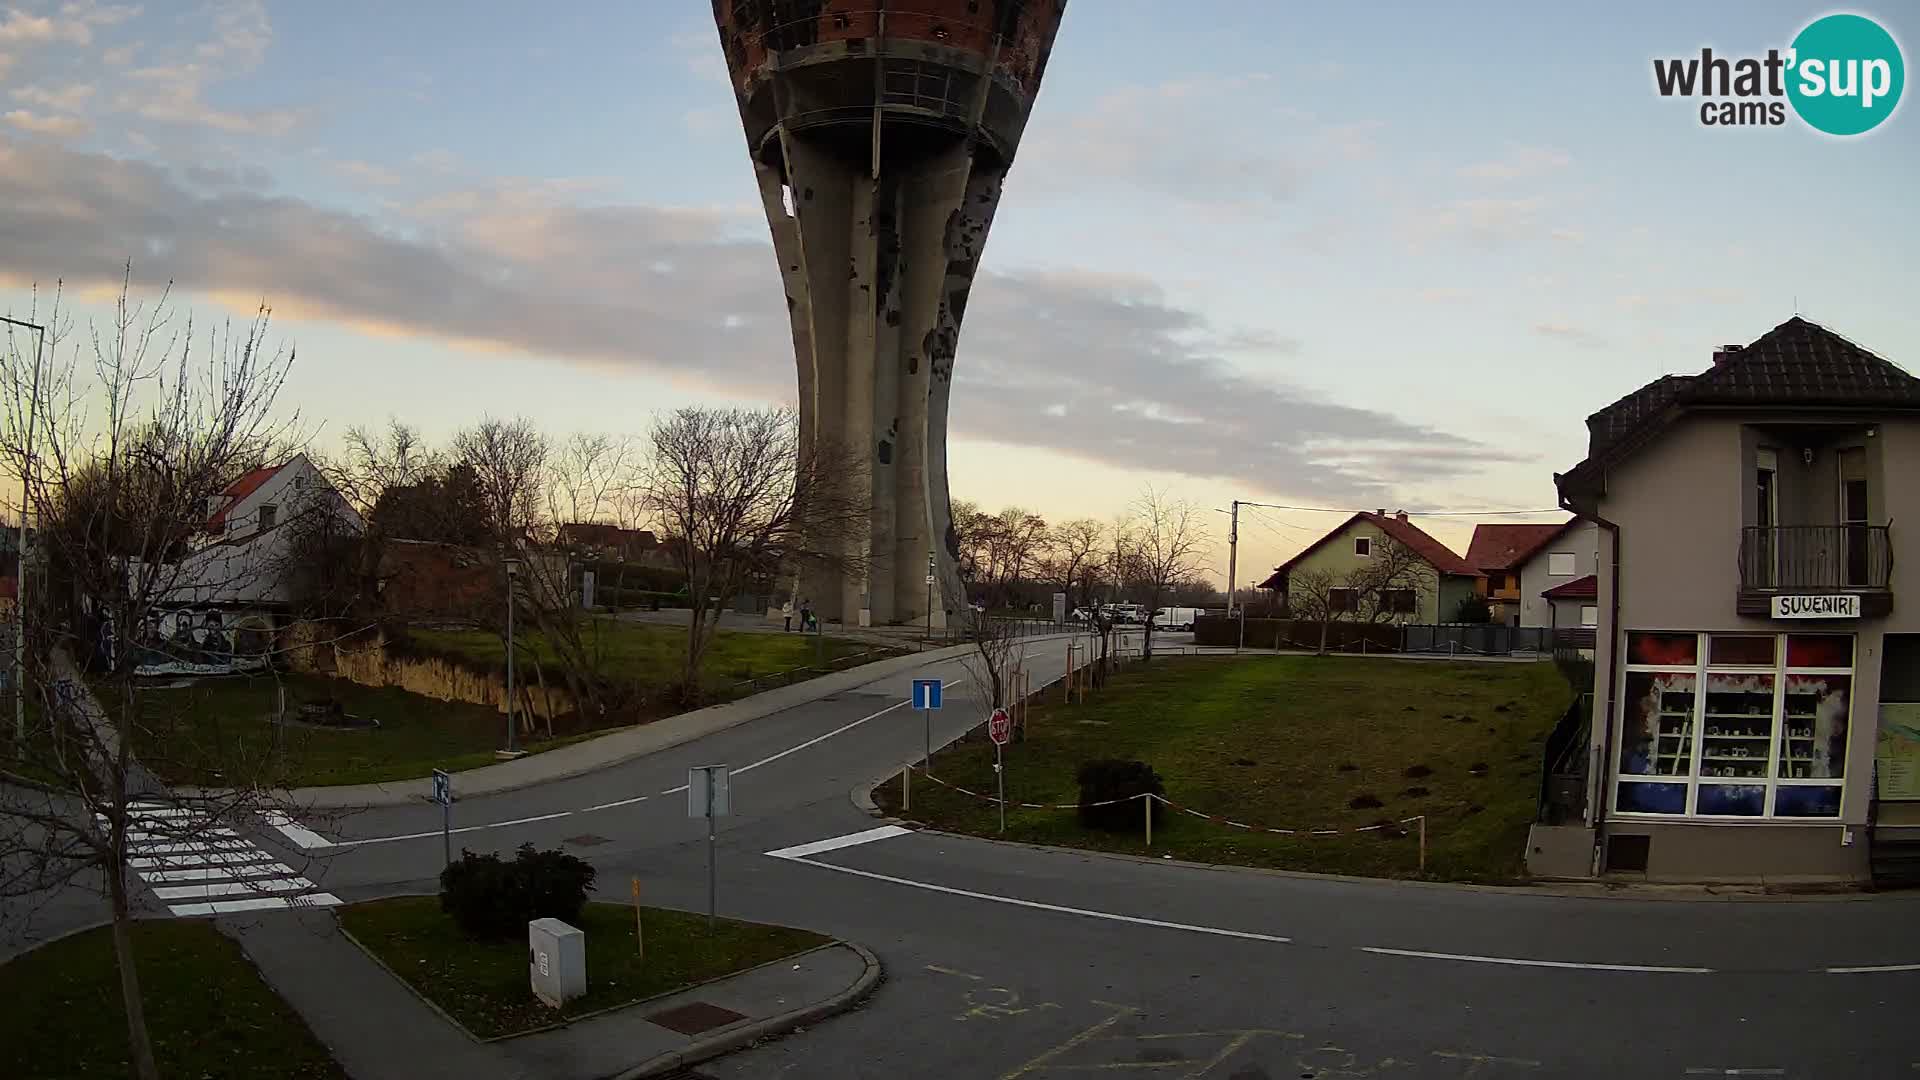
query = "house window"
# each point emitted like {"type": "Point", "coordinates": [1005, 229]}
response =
{"type": "Point", "coordinates": [1560, 564]}
{"type": "Point", "coordinates": [1589, 615]}
{"type": "Point", "coordinates": [1362, 547]}
{"type": "Point", "coordinates": [1342, 600]}
{"type": "Point", "coordinates": [268, 514]}
{"type": "Point", "coordinates": [1496, 582]}
{"type": "Point", "coordinates": [1399, 601]}
{"type": "Point", "coordinates": [1735, 726]}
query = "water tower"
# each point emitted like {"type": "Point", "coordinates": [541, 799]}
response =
{"type": "Point", "coordinates": [881, 132]}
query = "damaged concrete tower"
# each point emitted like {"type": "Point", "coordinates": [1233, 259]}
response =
{"type": "Point", "coordinates": [881, 133]}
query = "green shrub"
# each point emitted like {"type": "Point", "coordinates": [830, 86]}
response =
{"type": "Point", "coordinates": [1107, 779]}
{"type": "Point", "coordinates": [491, 899]}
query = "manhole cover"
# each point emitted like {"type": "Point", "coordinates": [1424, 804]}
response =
{"type": "Point", "coordinates": [695, 1017]}
{"type": "Point", "coordinates": [585, 840]}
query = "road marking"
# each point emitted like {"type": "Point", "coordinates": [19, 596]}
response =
{"type": "Point", "coordinates": [801, 851]}
{"type": "Point", "coordinates": [1735, 1072]}
{"type": "Point", "coordinates": [162, 811]}
{"type": "Point", "coordinates": [169, 862]}
{"type": "Point", "coordinates": [215, 873]}
{"type": "Point", "coordinates": [950, 971]}
{"type": "Point", "coordinates": [1871, 969]}
{"type": "Point", "coordinates": [1133, 920]}
{"type": "Point", "coordinates": [174, 849]}
{"type": "Point", "coordinates": [296, 832]}
{"type": "Point", "coordinates": [148, 837]}
{"type": "Point", "coordinates": [617, 802]}
{"type": "Point", "coordinates": [1516, 962]}
{"type": "Point", "coordinates": [229, 888]}
{"type": "Point", "coordinates": [828, 735]}
{"type": "Point", "coordinates": [1121, 1012]}
{"type": "Point", "coordinates": [258, 903]}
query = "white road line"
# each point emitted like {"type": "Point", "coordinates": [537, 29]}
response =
{"type": "Point", "coordinates": [294, 831]}
{"type": "Point", "coordinates": [229, 888]}
{"type": "Point", "coordinates": [257, 903]}
{"type": "Point", "coordinates": [175, 849]}
{"type": "Point", "coordinates": [178, 834]}
{"type": "Point", "coordinates": [1702, 1071]}
{"type": "Point", "coordinates": [824, 738]}
{"type": "Point", "coordinates": [1872, 968]}
{"type": "Point", "coordinates": [168, 862]}
{"type": "Point", "coordinates": [1038, 906]}
{"type": "Point", "coordinates": [1516, 962]}
{"type": "Point", "coordinates": [164, 812]}
{"type": "Point", "coordinates": [217, 873]}
{"type": "Point", "coordinates": [616, 802]}
{"type": "Point", "coordinates": [450, 832]}
{"type": "Point", "coordinates": [675, 790]}
{"type": "Point", "coordinates": [528, 820]}
{"type": "Point", "coordinates": [801, 851]}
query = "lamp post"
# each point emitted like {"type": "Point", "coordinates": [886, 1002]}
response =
{"type": "Point", "coordinates": [20, 573]}
{"type": "Point", "coordinates": [513, 735]}
{"type": "Point", "coordinates": [928, 643]}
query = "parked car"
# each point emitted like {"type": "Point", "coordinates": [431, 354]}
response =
{"type": "Point", "coordinates": [1175, 618]}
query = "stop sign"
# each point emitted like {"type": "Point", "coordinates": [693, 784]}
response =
{"type": "Point", "coordinates": [999, 728]}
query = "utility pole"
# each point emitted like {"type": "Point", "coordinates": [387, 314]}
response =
{"type": "Point", "coordinates": [928, 644]}
{"type": "Point", "coordinates": [513, 739]}
{"type": "Point", "coordinates": [20, 572]}
{"type": "Point", "coordinates": [1233, 557]}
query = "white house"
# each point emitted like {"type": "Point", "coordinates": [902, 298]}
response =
{"type": "Point", "coordinates": [1564, 566]}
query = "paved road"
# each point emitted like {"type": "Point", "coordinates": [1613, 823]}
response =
{"type": "Point", "coordinates": [1007, 961]}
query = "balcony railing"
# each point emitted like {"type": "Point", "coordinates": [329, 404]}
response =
{"type": "Point", "coordinates": [1815, 558]}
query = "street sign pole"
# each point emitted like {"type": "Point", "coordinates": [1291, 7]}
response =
{"type": "Point", "coordinates": [443, 794]}
{"type": "Point", "coordinates": [1000, 774]}
{"type": "Point", "coordinates": [713, 886]}
{"type": "Point", "coordinates": [1000, 730]}
{"type": "Point", "coordinates": [709, 795]}
{"type": "Point", "coordinates": [927, 715]}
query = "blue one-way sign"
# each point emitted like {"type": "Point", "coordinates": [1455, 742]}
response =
{"type": "Point", "coordinates": [926, 693]}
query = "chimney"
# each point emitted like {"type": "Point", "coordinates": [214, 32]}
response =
{"type": "Point", "coordinates": [1401, 514]}
{"type": "Point", "coordinates": [1382, 512]}
{"type": "Point", "coordinates": [1724, 353]}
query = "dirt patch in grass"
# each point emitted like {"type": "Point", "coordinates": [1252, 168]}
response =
{"type": "Point", "coordinates": [1328, 734]}
{"type": "Point", "coordinates": [209, 1013]}
{"type": "Point", "coordinates": [484, 984]}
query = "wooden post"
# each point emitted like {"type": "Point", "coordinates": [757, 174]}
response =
{"type": "Point", "coordinates": [1423, 843]}
{"type": "Point", "coordinates": [640, 944]}
{"type": "Point", "coordinates": [1147, 801]}
{"type": "Point", "coordinates": [906, 793]}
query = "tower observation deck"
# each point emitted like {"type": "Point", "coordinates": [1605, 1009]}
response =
{"type": "Point", "coordinates": [881, 133]}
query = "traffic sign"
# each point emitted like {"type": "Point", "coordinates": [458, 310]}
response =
{"type": "Point", "coordinates": [442, 787]}
{"type": "Point", "coordinates": [708, 791]}
{"type": "Point", "coordinates": [999, 728]}
{"type": "Point", "coordinates": [926, 693]}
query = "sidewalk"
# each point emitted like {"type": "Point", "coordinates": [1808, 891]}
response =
{"type": "Point", "coordinates": [624, 744]}
{"type": "Point", "coordinates": [378, 1029]}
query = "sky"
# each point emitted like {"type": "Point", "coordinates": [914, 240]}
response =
{"type": "Point", "coordinates": [1290, 253]}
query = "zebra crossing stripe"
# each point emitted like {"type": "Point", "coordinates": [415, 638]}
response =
{"type": "Point", "coordinates": [256, 903]}
{"type": "Point", "coordinates": [230, 888]}
{"type": "Point", "coordinates": [175, 849]}
{"type": "Point", "coordinates": [168, 862]}
{"type": "Point", "coordinates": [182, 834]}
{"type": "Point", "coordinates": [218, 873]}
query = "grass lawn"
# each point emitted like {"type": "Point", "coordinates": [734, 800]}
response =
{"type": "Point", "coordinates": [34, 758]}
{"type": "Point", "coordinates": [484, 984]}
{"type": "Point", "coordinates": [194, 733]}
{"type": "Point", "coordinates": [1286, 742]}
{"type": "Point", "coordinates": [651, 654]}
{"type": "Point", "coordinates": [208, 1012]}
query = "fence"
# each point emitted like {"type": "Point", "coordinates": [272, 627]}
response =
{"type": "Point", "coordinates": [1481, 639]}
{"type": "Point", "coordinates": [1563, 776]}
{"type": "Point", "coordinates": [1452, 639]}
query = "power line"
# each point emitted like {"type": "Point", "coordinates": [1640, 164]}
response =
{"type": "Point", "coordinates": [1411, 513]}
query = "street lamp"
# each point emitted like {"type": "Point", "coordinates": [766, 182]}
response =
{"type": "Point", "coordinates": [513, 736]}
{"type": "Point", "coordinates": [20, 573]}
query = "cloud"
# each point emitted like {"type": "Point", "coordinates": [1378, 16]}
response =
{"type": "Point", "coordinates": [64, 99]}
{"type": "Point", "coordinates": [1519, 163]}
{"type": "Point", "coordinates": [21, 28]}
{"type": "Point", "coordinates": [38, 124]}
{"type": "Point", "coordinates": [1481, 222]}
{"type": "Point", "coordinates": [173, 95]}
{"type": "Point", "coordinates": [1571, 334]}
{"type": "Point", "coordinates": [1097, 365]}
{"type": "Point", "coordinates": [366, 172]}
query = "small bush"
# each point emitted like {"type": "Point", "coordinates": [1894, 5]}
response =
{"type": "Point", "coordinates": [491, 899]}
{"type": "Point", "coordinates": [1110, 778]}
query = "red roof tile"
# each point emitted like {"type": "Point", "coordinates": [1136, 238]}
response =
{"type": "Point", "coordinates": [1586, 588]}
{"type": "Point", "coordinates": [1437, 554]}
{"type": "Point", "coordinates": [238, 490]}
{"type": "Point", "coordinates": [1503, 546]}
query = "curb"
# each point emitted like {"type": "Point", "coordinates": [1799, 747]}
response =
{"type": "Point", "coordinates": [708, 1049]}
{"type": "Point", "coordinates": [861, 795]}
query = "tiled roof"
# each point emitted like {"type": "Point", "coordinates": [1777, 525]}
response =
{"type": "Point", "coordinates": [1436, 554]}
{"type": "Point", "coordinates": [1503, 546]}
{"type": "Point", "coordinates": [1585, 588]}
{"type": "Point", "coordinates": [1797, 364]}
{"type": "Point", "coordinates": [239, 490]}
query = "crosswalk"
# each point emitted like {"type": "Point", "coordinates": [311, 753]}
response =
{"type": "Point", "coordinates": [198, 868]}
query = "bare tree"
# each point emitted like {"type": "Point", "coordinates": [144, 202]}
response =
{"type": "Point", "coordinates": [121, 450]}
{"type": "Point", "coordinates": [997, 661]}
{"type": "Point", "coordinates": [1319, 595]}
{"type": "Point", "coordinates": [740, 497]}
{"type": "Point", "coordinates": [1075, 551]}
{"type": "Point", "coordinates": [1387, 589]}
{"type": "Point", "coordinates": [587, 476]}
{"type": "Point", "coordinates": [1168, 549]}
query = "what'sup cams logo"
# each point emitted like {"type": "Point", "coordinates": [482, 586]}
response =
{"type": "Point", "coordinates": [1842, 75]}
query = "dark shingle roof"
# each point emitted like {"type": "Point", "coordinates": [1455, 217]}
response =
{"type": "Point", "coordinates": [1797, 364]}
{"type": "Point", "coordinates": [1583, 588]}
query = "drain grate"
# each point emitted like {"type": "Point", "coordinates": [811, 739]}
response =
{"type": "Point", "coordinates": [695, 1017]}
{"type": "Point", "coordinates": [585, 840]}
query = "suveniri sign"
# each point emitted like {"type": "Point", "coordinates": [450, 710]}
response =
{"type": "Point", "coordinates": [1816, 607]}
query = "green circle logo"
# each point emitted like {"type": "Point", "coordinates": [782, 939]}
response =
{"type": "Point", "coordinates": [1846, 74]}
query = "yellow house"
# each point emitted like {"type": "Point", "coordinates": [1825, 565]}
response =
{"type": "Point", "coordinates": [1353, 552]}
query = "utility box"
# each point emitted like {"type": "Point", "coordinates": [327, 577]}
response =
{"type": "Point", "coordinates": [556, 961]}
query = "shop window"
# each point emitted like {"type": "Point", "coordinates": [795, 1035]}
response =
{"type": "Point", "coordinates": [1733, 800]}
{"type": "Point", "coordinates": [1813, 729]}
{"type": "Point", "coordinates": [1657, 738]}
{"type": "Point", "coordinates": [1663, 650]}
{"type": "Point", "coordinates": [1807, 801]}
{"type": "Point", "coordinates": [1653, 798]}
{"type": "Point", "coordinates": [1740, 650]}
{"type": "Point", "coordinates": [1739, 726]}
{"type": "Point", "coordinates": [1819, 651]}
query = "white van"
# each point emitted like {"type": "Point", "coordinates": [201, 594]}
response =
{"type": "Point", "coordinates": [1175, 618]}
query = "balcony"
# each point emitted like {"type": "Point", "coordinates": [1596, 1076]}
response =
{"type": "Point", "coordinates": [1816, 560]}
